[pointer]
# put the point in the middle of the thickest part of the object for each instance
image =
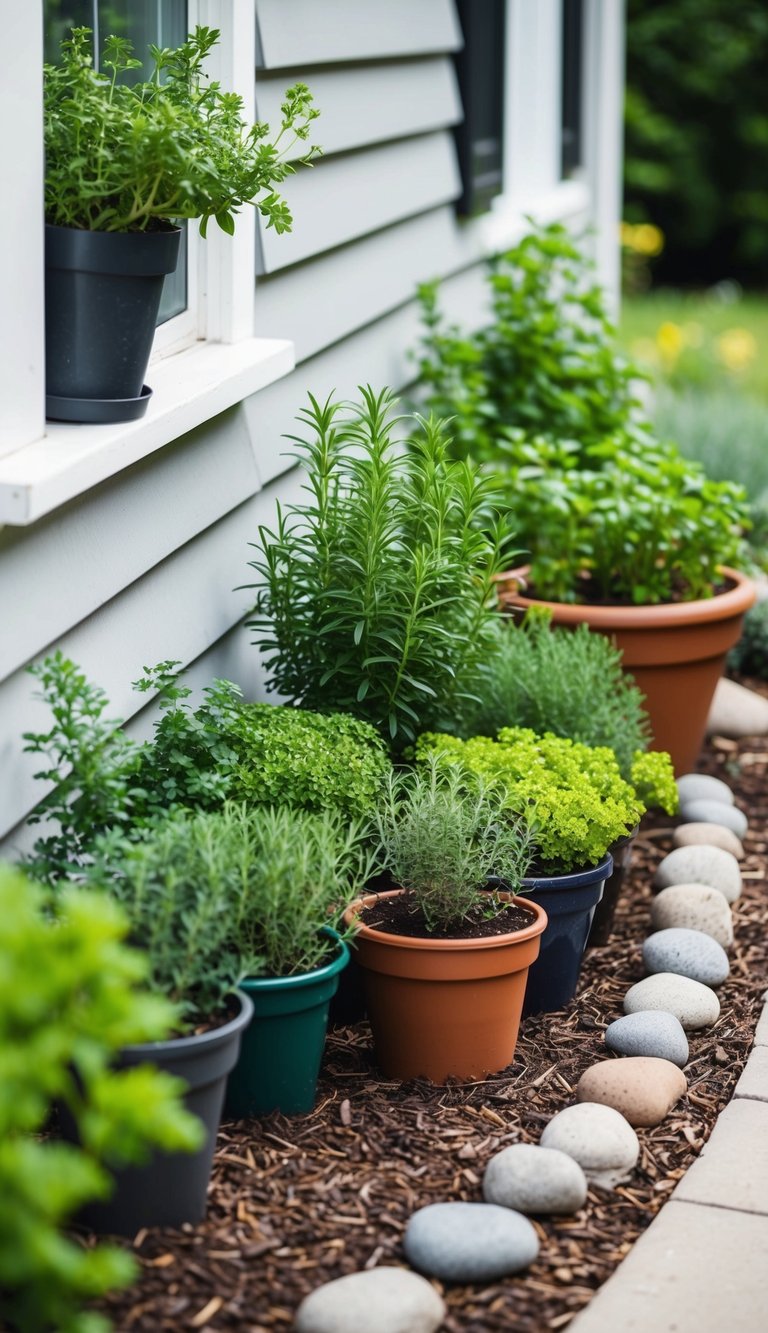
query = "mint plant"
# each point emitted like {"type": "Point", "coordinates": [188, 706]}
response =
{"type": "Point", "coordinates": [71, 996]}
{"type": "Point", "coordinates": [376, 594]}
{"type": "Point", "coordinates": [125, 156]}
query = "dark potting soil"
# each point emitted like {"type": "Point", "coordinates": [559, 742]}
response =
{"type": "Point", "coordinates": [298, 1201]}
{"type": "Point", "coordinates": [589, 593]}
{"type": "Point", "coordinates": [401, 916]}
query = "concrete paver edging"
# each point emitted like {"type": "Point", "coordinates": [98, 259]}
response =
{"type": "Point", "coordinates": [702, 1264]}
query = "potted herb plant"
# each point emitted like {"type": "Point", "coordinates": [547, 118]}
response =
{"type": "Point", "coordinates": [571, 683]}
{"type": "Point", "coordinates": [624, 534]}
{"type": "Point", "coordinates": [444, 958]}
{"type": "Point", "coordinates": [172, 885]}
{"type": "Point", "coordinates": [126, 162]}
{"type": "Point", "coordinates": [376, 596]}
{"type": "Point", "coordinates": [576, 804]}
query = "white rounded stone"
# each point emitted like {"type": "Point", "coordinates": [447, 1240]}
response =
{"type": "Point", "coordinates": [737, 711]}
{"type": "Point", "coordinates": [712, 835]}
{"type": "Point", "coordinates": [694, 907]}
{"type": "Point", "coordinates": [701, 787]}
{"type": "Point", "coordinates": [695, 1006]}
{"type": "Point", "coordinates": [384, 1300]}
{"type": "Point", "coordinates": [689, 953]}
{"type": "Point", "coordinates": [715, 812]}
{"type": "Point", "coordinates": [469, 1242]}
{"type": "Point", "coordinates": [535, 1180]}
{"type": "Point", "coordinates": [602, 1142]}
{"type": "Point", "coordinates": [701, 865]}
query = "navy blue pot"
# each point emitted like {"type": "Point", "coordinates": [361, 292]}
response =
{"type": "Point", "coordinates": [569, 902]}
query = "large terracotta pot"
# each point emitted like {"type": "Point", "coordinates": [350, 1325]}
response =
{"type": "Point", "coordinates": [441, 1008]}
{"type": "Point", "coordinates": [676, 652]}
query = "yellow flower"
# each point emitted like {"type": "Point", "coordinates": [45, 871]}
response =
{"type": "Point", "coordinates": [648, 240]}
{"type": "Point", "coordinates": [670, 341]}
{"type": "Point", "coordinates": [737, 348]}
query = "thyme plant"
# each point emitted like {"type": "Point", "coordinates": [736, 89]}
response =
{"type": "Point", "coordinates": [138, 156]}
{"type": "Point", "coordinates": [443, 844]}
{"type": "Point", "coordinates": [376, 594]}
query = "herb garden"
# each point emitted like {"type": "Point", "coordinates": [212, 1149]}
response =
{"type": "Point", "coordinates": [405, 1002]}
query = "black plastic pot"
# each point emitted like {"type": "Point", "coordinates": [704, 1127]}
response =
{"type": "Point", "coordinates": [603, 917]}
{"type": "Point", "coordinates": [172, 1187]}
{"type": "Point", "coordinates": [102, 295]}
{"type": "Point", "coordinates": [569, 902]}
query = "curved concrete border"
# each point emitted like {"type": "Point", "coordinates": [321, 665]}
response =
{"type": "Point", "coordinates": [702, 1265]}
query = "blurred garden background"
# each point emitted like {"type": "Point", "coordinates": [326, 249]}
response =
{"type": "Point", "coordinates": [695, 231]}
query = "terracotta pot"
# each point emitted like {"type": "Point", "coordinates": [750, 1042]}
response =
{"type": "Point", "coordinates": [602, 922]}
{"type": "Point", "coordinates": [676, 652]}
{"type": "Point", "coordinates": [441, 1008]}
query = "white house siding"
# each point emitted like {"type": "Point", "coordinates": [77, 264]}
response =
{"type": "Point", "coordinates": [143, 567]}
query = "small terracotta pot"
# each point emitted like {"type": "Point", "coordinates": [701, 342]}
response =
{"type": "Point", "coordinates": [676, 652]}
{"type": "Point", "coordinates": [442, 1008]}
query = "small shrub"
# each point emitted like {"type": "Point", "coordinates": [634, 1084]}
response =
{"type": "Point", "coordinates": [572, 796]}
{"type": "Point", "coordinates": [70, 998]}
{"type": "Point", "coordinates": [444, 847]}
{"type": "Point", "coordinates": [376, 594]}
{"type": "Point", "coordinates": [653, 779]}
{"type": "Point", "coordinates": [750, 655]}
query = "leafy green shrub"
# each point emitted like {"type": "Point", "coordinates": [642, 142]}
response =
{"type": "Point", "coordinates": [311, 761]}
{"type": "Point", "coordinates": [573, 796]}
{"type": "Point", "coordinates": [750, 655]}
{"type": "Point", "coordinates": [444, 847]}
{"type": "Point", "coordinates": [547, 364]}
{"type": "Point", "coordinates": [624, 524]}
{"type": "Point", "coordinates": [570, 683]}
{"type": "Point", "coordinates": [70, 998]}
{"type": "Point", "coordinates": [216, 896]}
{"type": "Point", "coordinates": [376, 595]}
{"type": "Point", "coordinates": [136, 156]}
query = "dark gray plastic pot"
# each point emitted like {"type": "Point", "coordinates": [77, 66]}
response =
{"type": "Point", "coordinates": [605, 911]}
{"type": "Point", "coordinates": [569, 902]}
{"type": "Point", "coordinates": [102, 295]}
{"type": "Point", "coordinates": [172, 1188]}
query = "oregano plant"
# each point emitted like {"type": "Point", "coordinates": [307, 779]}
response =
{"type": "Point", "coordinates": [136, 156]}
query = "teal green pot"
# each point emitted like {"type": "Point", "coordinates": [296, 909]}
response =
{"type": "Point", "coordinates": [281, 1051]}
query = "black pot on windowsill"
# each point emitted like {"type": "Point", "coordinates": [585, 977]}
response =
{"type": "Point", "coordinates": [102, 295]}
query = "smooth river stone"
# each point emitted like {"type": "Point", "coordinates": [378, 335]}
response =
{"type": "Point", "coordinates": [694, 907]}
{"type": "Point", "coordinates": [714, 812]}
{"type": "Point", "coordinates": [535, 1180]}
{"type": "Point", "coordinates": [642, 1088]}
{"type": "Point", "coordinates": [701, 865]}
{"type": "Point", "coordinates": [469, 1242]}
{"type": "Point", "coordinates": [384, 1300]}
{"type": "Point", "coordinates": [737, 712]}
{"type": "Point", "coordinates": [695, 1006]}
{"type": "Point", "coordinates": [712, 835]}
{"type": "Point", "coordinates": [649, 1032]}
{"type": "Point", "coordinates": [700, 787]}
{"type": "Point", "coordinates": [598, 1138]}
{"type": "Point", "coordinates": [689, 953]}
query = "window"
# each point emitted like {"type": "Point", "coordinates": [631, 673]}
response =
{"type": "Point", "coordinates": [572, 86]}
{"type": "Point", "coordinates": [480, 70]}
{"type": "Point", "coordinates": [145, 23]}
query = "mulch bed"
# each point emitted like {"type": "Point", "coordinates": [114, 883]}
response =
{"type": "Point", "coordinates": [297, 1202]}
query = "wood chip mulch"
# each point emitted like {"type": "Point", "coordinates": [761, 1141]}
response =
{"type": "Point", "coordinates": [297, 1202]}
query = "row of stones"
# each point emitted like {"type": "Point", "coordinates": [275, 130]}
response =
{"type": "Point", "coordinates": [592, 1142]}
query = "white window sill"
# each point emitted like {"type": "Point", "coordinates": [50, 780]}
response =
{"type": "Point", "coordinates": [189, 388]}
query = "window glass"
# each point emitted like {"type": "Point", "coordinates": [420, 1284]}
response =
{"type": "Point", "coordinates": [572, 86]}
{"type": "Point", "coordinates": [145, 23]}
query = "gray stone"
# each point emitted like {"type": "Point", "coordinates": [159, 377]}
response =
{"type": "Point", "coordinates": [649, 1032]}
{"type": "Point", "coordinates": [694, 907]}
{"type": "Point", "coordinates": [602, 1142]}
{"type": "Point", "coordinates": [700, 787]}
{"type": "Point", "coordinates": [701, 865]}
{"type": "Point", "coordinates": [695, 1006]}
{"type": "Point", "coordinates": [712, 835]}
{"type": "Point", "coordinates": [535, 1180]}
{"type": "Point", "coordinates": [690, 953]}
{"type": "Point", "coordinates": [469, 1242]}
{"type": "Point", "coordinates": [737, 712]}
{"type": "Point", "coordinates": [384, 1300]}
{"type": "Point", "coordinates": [715, 812]}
